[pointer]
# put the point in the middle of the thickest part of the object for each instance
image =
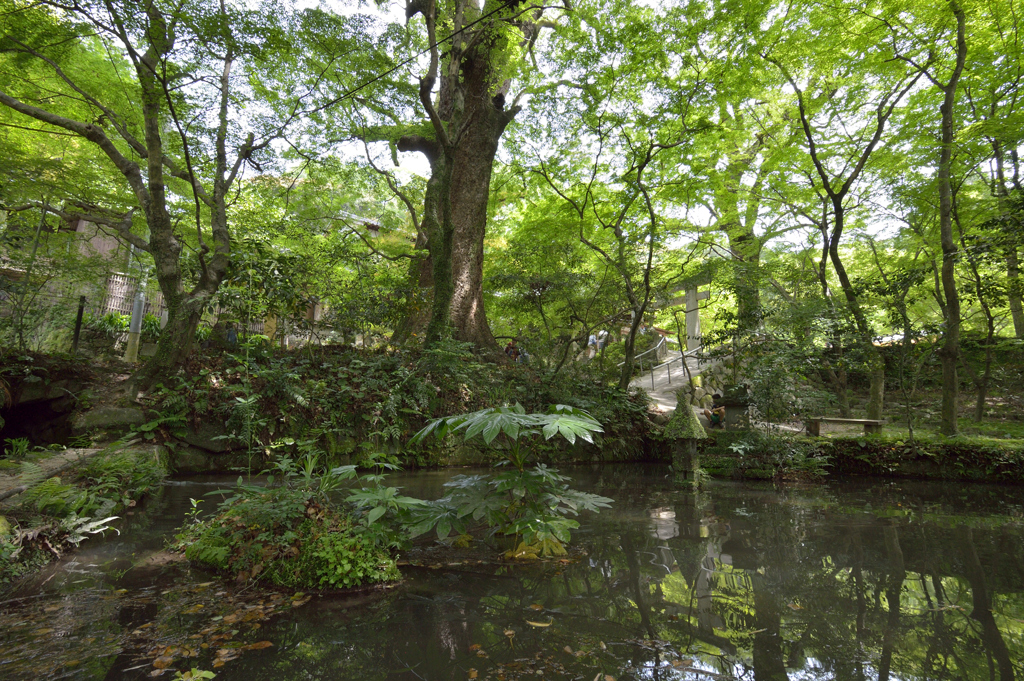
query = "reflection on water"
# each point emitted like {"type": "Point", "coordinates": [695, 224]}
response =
{"type": "Point", "coordinates": [852, 581]}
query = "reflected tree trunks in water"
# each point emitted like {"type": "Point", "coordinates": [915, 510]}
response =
{"type": "Point", "coordinates": [893, 592]}
{"type": "Point", "coordinates": [642, 599]}
{"type": "Point", "coordinates": [982, 611]}
{"type": "Point", "coordinates": [769, 660]}
{"type": "Point", "coordinates": [862, 606]}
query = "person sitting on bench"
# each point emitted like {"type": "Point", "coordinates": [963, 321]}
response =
{"type": "Point", "coordinates": [715, 415]}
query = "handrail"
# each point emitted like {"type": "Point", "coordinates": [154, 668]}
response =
{"type": "Point", "coordinates": [682, 357]}
{"type": "Point", "coordinates": [668, 365]}
{"type": "Point", "coordinates": [649, 350]}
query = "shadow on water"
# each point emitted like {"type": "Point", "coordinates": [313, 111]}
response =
{"type": "Point", "coordinates": [851, 581]}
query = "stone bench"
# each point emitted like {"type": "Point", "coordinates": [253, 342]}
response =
{"type": "Point", "coordinates": [870, 425]}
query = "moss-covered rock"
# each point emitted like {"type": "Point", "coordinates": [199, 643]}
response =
{"type": "Point", "coordinates": [684, 424]}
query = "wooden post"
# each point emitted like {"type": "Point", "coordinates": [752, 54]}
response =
{"type": "Point", "coordinates": [78, 325]}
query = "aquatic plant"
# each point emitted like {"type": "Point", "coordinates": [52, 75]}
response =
{"type": "Point", "coordinates": [530, 504]}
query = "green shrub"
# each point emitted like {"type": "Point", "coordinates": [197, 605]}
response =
{"type": "Point", "coordinates": [150, 329]}
{"type": "Point", "coordinates": [343, 560]}
{"type": "Point", "coordinates": [286, 537]}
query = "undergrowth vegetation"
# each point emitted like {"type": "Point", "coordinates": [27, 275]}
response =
{"type": "Point", "coordinates": [352, 401]}
{"type": "Point", "coordinates": [56, 513]}
{"type": "Point", "coordinates": [317, 527]}
{"type": "Point", "coordinates": [755, 455]}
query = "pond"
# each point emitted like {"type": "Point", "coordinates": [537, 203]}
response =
{"type": "Point", "coordinates": [849, 580]}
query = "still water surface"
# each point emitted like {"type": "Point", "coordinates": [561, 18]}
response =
{"type": "Point", "coordinates": [847, 581]}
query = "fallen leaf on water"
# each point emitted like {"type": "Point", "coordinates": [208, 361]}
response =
{"type": "Point", "coordinates": [603, 647]}
{"type": "Point", "coordinates": [541, 624]}
{"type": "Point", "coordinates": [795, 606]}
{"type": "Point", "coordinates": [475, 646]}
{"type": "Point", "coordinates": [510, 633]}
{"type": "Point", "coordinates": [163, 662]}
{"type": "Point", "coordinates": [537, 606]}
{"type": "Point", "coordinates": [259, 646]}
{"type": "Point", "coordinates": [567, 649]}
{"type": "Point", "coordinates": [471, 674]}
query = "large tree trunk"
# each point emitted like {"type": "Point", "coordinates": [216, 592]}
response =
{"type": "Point", "coordinates": [469, 120]}
{"type": "Point", "coordinates": [744, 245]}
{"type": "Point", "coordinates": [470, 191]}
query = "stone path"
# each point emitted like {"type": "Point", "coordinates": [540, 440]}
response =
{"type": "Point", "coordinates": [666, 381]}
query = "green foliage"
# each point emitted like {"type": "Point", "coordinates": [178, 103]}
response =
{"type": "Point", "coordinates": [684, 423]}
{"type": "Point", "coordinates": [106, 484]}
{"type": "Point", "coordinates": [284, 536]}
{"type": "Point", "coordinates": [530, 504]}
{"type": "Point", "coordinates": [757, 455]}
{"type": "Point", "coordinates": [340, 397]}
{"type": "Point", "coordinates": [193, 674]}
{"type": "Point", "coordinates": [16, 448]}
{"type": "Point", "coordinates": [150, 329]}
{"type": "Point", "coordinates": [341, 560]}
{"type": "Point", "coordinates": [111, 324]}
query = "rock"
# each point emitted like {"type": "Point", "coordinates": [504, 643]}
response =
{"type": "Point", "coordinates": [209, 436]}
{"type": "Point", "coordinates": [659, 418]}
{"type": "Point", "coordinates": [685, 425]}
{"type": "Point", "coordinates": [35, 389]}
{"type": "Point", "coordinates": [108, 417]}
{"type": "Point", "coordinates": [188, 459]}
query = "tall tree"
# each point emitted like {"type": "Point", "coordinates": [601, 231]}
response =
{"type": "Point", "coordinates": [943, 69]}
{"type": "Point", "coordinates": [473, 55]}
{"type": "Point", "coordinates": [840, 137]}
{"type": "Point", "coordinates": [172, 130]}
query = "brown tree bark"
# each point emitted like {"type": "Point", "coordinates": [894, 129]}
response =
{"type": "Point", "coordinates": [468, 120]}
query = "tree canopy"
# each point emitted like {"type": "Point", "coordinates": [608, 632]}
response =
{"type": "Point", "coordinates": [845, 175]}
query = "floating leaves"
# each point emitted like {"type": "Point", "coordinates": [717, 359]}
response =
{"type": "Point", "coordinates": [185, 622]}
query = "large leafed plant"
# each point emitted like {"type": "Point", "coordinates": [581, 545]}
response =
{"type": "Point", "coordinates": [531, 504]}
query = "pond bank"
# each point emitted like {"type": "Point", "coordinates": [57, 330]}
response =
{"type": "Point", "coordinates": [752, 456]}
